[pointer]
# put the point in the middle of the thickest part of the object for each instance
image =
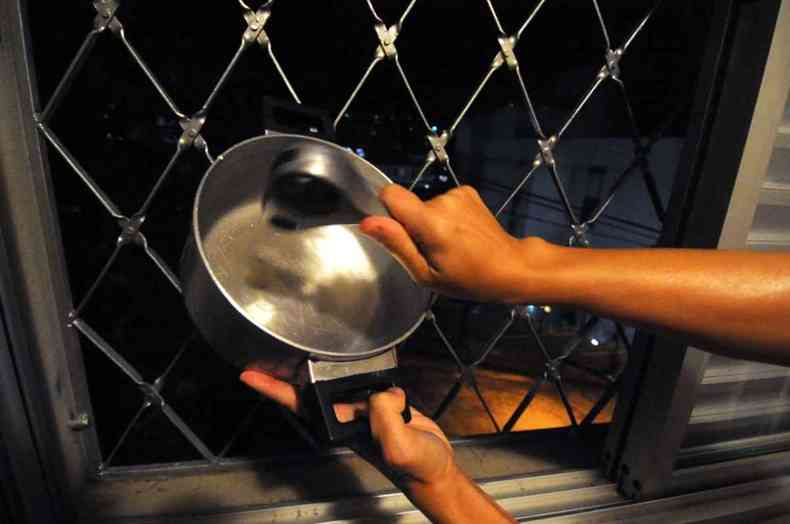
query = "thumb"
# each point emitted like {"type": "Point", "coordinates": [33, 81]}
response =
{"type": "Point", "coordinates": [281, 392]}
{"type": "Point", "coordinates": [389, 429]}
{"type": "Point", "coordinates": [396, 239]}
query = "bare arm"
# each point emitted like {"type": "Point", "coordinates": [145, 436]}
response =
{"type": "Point", "coordinates": [735, 303]}
{"type": "Point", "coordinates": [731, 302]}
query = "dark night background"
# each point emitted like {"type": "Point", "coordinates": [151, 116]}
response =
{"type": "Point", "coordinates": [121, 131]}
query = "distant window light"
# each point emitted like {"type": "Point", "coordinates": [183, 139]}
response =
{"type": "Point", "coordinates": [531, 310]}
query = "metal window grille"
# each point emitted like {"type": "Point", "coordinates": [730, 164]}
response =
{"type": "Point", "coordinates": [389, 33]}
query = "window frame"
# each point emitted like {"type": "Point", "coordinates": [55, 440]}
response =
{"type": "Point", "coordinates": [657, 390]}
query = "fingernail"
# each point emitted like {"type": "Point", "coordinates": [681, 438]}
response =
{"type": "Point", "coordinates": [369, 229]}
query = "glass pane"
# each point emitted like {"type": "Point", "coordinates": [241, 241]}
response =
{"type": "Point", "coordinates": [779, 168]}
{"type": "Point", "coordinates": [739, 399]}
{"type": "Point", "coordinates": [555, 130]}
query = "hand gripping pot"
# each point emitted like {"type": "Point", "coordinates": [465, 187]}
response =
{"type": "Point", "coordinates": [277, 274]}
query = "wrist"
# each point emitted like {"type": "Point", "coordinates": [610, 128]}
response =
{"type": "Point", "coordinates": [439, 497]}
{"type": "Point", "coordinates": [547, 273]}
{"type": "Point", "coordinates": [439, 500]}
{"type": "Point", "coordinates": [441, 486]}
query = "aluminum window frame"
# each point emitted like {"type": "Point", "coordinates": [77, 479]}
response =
{"type": "Point", "coordinates": [47, 356]}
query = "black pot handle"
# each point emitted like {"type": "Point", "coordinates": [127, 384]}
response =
{"type": "Point", "coordinates": [321, 397]}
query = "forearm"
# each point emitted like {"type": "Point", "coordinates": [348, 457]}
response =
{"type": "Point", "coordinates": [456, 500]}
{"type": "Point", "coordinates": [733, 302]}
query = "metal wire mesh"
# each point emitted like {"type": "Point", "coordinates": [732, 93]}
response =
{"type": "Point", "coordinates": [389, 34]}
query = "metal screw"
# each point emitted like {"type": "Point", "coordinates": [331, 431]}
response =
{"type": "Point", "coordinates": [80, 422]}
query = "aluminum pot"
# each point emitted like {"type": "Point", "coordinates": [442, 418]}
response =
{"type": "Point", "coordinates": [277, 274]}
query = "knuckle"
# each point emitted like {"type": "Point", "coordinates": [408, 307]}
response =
{"type": "Point", "coordinates": [386, 193]}
{"type": "Point", "coordinates": [454, 193]}
{"type": "Point", "coordinates": [380, 400]}
{"type": "Point", "coordinates": [389, 400]}
{"type": "Point", "coordinates": [398, 392]}
{"type": "Point", "coordinates": [471, 192]}
{"type": "Point", "coordinates": [392, 194]}
{"type": "Point", "coordinates": [457, 197]}
{"type": "Point", "coordinates": [440, 228]}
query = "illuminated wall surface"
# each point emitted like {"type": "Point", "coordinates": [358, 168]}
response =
{"type": "Point", "coordinates": [573, 113]}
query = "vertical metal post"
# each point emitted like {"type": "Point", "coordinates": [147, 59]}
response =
{"type": "Point", "coordinates": [24, 494]}
{"type": "Point", "coordinates": [47, 354]}
{"type": "Point", "coordinates": [663, 375]}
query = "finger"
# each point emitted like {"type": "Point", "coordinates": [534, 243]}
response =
{"type": "Point", "coordinates": [281, 392]}
{"type": "Point", "coordinates": [388, 428]}
{"type": "Point", "coordinates": [467, 191]}
{"type": "Point", "coordinates": [351, 411]}
{"type": "Point", "coordinates": [387, 406]}
{"type": "Point", "coordinates": [395, 238]}
{"type": "Point", "coordinates": [408, 209]}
